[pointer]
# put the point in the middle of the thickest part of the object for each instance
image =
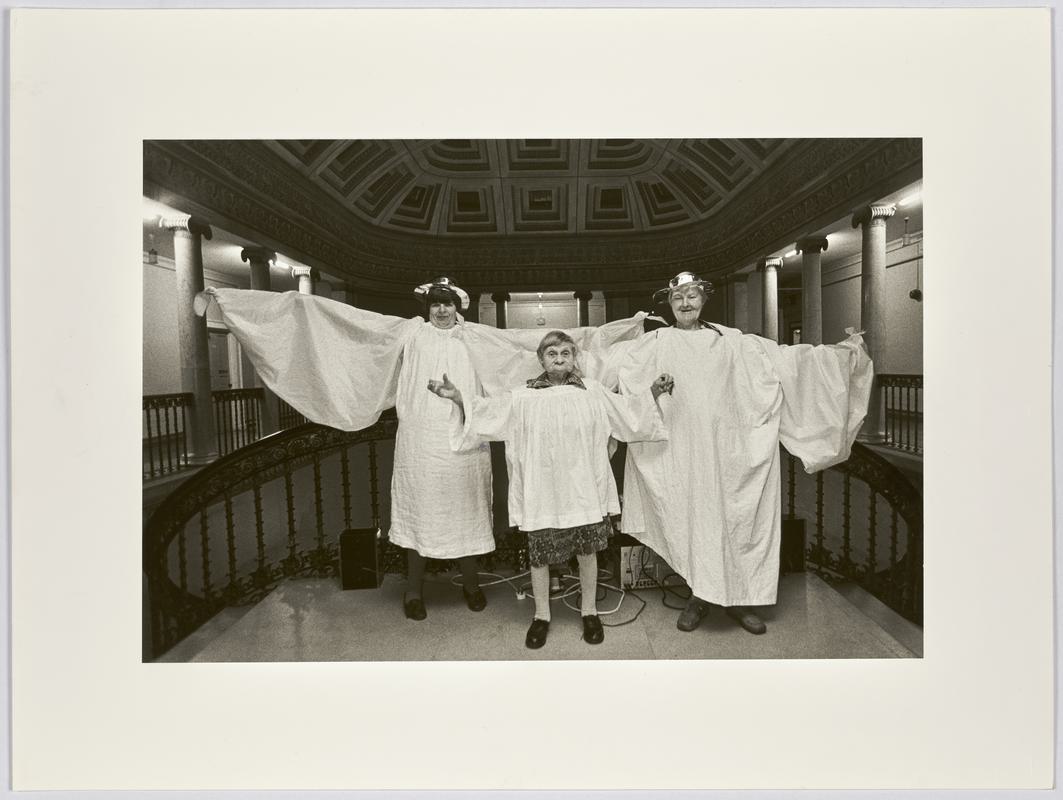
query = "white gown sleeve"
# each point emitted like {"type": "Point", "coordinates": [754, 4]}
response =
{"type": "Point", "coordinates": [335, 364]}
{"type": "Point", "coordinates": [826, 389]}
{"type": "Point", "coordinates": [632, 417]}
{"type": "Point", "coordinates": [506, 359]}
{"type": "Point", "coordinates": [487, 419]}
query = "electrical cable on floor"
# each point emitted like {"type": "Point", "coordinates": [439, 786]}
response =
{"type": "Point", "coordinates": [565, 592]}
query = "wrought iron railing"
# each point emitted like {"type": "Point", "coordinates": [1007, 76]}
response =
{"type": "Point", "coordinates": [268, 511]}
{"type": "Point", "coordinates": [863, 523]}
{"type": "Point", "coordinates": [237, 418]}
{"type": "Point", "coordinates": [164, 439]}
{"type": "Point", "coordinates": [289, 417]}
{"type": "Point", "coordinates": [275, 508]}
{"type": "Point", "coordinates": [902, 399]}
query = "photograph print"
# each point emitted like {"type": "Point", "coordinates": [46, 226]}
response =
{"type": "Point", "coordinates": [459, 399]}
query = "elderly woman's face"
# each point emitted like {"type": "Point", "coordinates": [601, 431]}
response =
{"type": "Point", "coordinates": [443, 315]}
{"type": "Point", "coordinates": [558, 360]}
{"type": "Point", "coordinates": [686, 303]}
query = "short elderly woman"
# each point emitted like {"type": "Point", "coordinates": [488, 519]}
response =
{"type": "Point", "coordinates": [561, 488]}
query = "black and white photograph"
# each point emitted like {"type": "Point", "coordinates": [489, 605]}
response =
{"type": "Point", "coordinates": [457, 399]}
{"type": "Point", "coordinates": [390, 387]}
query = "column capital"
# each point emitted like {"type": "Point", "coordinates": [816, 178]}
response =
{"type": "Point", "coordinates": [868, 214]}
{"type": "Point", "coordinates": [582, 294]}
{"type": "Point", "coordinates": [775, 262]}
{"type": "Point", "coordinates": [187, 222]}
{"type": "Point", "coordinates": [257, 254]}
{"type": "Point", "coordinates": [500, 297]}
{"type": "Point", "coordinates": [302, 272]}
{"type": "Point", "coordinates": [811, 244]}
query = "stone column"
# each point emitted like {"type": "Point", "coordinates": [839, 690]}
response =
{"type": "Point", "coordinates": [811, 249]}
{"type": "Point", "coordinates": [260, 259]}
{"type": "Point", "coordinates": [305, 275]}
{"type": "Point", "coordinates": [500, 299]}
{"type": "Point", "coordinates": [188, 233]}
{"type": "Point", "coordinates": [755, 301]}
{"type": "Point", "coordinates": [472, 313]}
{"type": "Point", "coordinates": [769, 308]}
{"type": "Point", "coordinates": [583, 311]}
{"type": "Point", "coordinates": [873, 307]}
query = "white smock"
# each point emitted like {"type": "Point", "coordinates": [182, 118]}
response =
{"type": "Point", "coordinates": [557, 448]}
{"type": "Point", "coordinates": [342, 366]}
{"type": "Point", "coordinates": [708, 500]}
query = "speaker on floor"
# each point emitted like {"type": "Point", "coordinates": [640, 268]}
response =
{"type": "Point", "coordinates": [359, 558]}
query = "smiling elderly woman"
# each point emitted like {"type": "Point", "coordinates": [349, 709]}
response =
{"type": "Point", "coordinates": [561, 488]}
{"type": "Point", "coordinates": [342, 366]}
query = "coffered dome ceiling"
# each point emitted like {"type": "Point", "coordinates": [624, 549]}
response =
{"type": "Point", "coordinates": [477, 187]}
{"type": "Point", "coordinates": [525, 213]}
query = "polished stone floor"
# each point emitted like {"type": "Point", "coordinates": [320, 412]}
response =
{"type": "Point", "coordinates": [315, 620]}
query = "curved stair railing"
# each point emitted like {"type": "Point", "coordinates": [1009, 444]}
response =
{"type": "Point", "coordinates": [871, 532]}
{"type": "Point", "coordinates": [267, 511]}
{"type": "Point", "coordinates": [275, 508]}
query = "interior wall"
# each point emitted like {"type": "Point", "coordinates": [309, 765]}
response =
{"type": "Point", "coordinates": [904, 317]}
{"type": "Point", "coordinates": [161, 347]}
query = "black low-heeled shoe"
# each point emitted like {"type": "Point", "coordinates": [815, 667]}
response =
{"type": "Point", "coordinates": [475, 599]}
{"type": "Point", "coordinates": [592, 629]}
{"type": "Point", "coordinates": [536, 637]}
{"type": "Point", "coordinates": [414, 608]}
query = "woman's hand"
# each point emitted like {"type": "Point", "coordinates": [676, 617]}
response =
{"type": "Point", "coordinates": [445, 389]}
{"type": "Point", "coordinates": [664, 384]}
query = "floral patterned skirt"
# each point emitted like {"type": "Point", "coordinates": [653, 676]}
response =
{"type": "Point", "coordinates": [556, 545]}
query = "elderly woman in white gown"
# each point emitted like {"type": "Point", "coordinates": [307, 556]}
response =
{"type": "Point", "coordinates": [561, 488]}
{"type": "Point", "coordinates": [708, 499]}
{"type": "Point", "coordinates": [342, 366]}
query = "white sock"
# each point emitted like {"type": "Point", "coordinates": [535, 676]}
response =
{"type": "Point", "coordinates": [540, 578]}
{"type": "Point", "coordinates": [588, 583]}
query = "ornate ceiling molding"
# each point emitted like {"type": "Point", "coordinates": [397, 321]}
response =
{"type": "Point", "coordinates": [249, 183]}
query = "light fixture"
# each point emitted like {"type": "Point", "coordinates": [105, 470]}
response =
{"type": "Point", "coordinates": [909, 200]}
{"type": "Point", "coordinates": [917, 293]}
{"type": "Point", "coordinates": [905, 238]}
{"type": "Point", "coordinates": [791, 254]}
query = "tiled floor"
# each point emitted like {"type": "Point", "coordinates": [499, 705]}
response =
{"type": "Point", "coordinates": [314, 620]}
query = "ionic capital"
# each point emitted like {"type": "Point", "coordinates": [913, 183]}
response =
{"type": "Point", "coordinates": [188, 223]}
{"type": "Point", "coordinates": [500, 297]}
{"type": "Point", "coordinates": [869, 214]}
{"type": "Point", "coordinates": [775, 262]}
{"type": "Point", "coordinates": [811, 244]}
{"type": "Point", "coordinates": [582, 294]}
{"type": "Point", "coordinates": [259, 255]}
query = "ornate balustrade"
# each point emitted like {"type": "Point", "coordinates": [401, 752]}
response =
{"type": "Point", "coordinates": [864, 523]}
{"type": "Point", "coordinates": [165, 445]}
{"type": "Point", "coordinates": [275, 508]}
{"type": "Point", "coordinates": [237, 417]}
{"type": "Point", "coordinates": [902, 398]}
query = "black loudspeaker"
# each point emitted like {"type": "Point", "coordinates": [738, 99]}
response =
{"type": "Point", "coordinates": [792, 555]}
{"type": "Point", "coordinates": [359, 567]}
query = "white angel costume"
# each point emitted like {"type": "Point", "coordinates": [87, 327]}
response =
{"type": "Point", "coordinates": [557, 447]}
{"type": "Point", "coordinates": [342, 366]}
{"type": "Point", "coordinates": [708, 499]}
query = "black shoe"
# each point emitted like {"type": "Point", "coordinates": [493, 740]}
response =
{"type": "Point", "coordinates": [414, 608]}
{"type": "Point", "coordinates": [475, 599]}
{"type": "Point", "coordinates": [536, 637]}
{"type": "Point", "coordinates": [592, 629]}
{"type": "Point", "coordinates": [747, 619]}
